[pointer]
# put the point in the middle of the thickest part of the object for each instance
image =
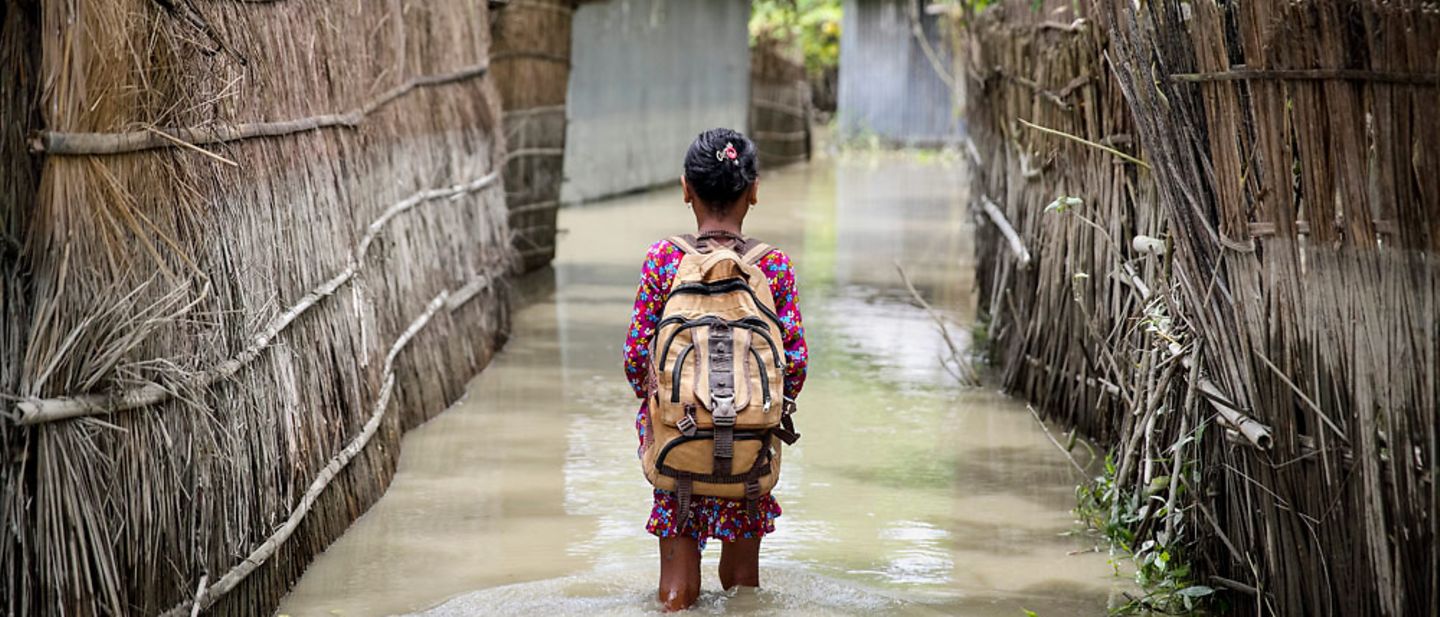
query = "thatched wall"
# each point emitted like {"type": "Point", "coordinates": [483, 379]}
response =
{"type": "Point", "coordinates": [263, 239]}
{"type": "Point", "coordinates": [1289, 303]}
{"type": "Point", "coordinates": [779, 103]}
{"type": "Point", "coordinates": [531, 54]}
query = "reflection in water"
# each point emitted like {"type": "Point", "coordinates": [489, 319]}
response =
{"type": "Point", "coordinates": [907, 495]}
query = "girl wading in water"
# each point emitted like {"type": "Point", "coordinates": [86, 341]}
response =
{"type": "Point", "coordinates": [716, 350]}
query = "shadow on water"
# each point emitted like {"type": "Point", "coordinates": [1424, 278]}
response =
{"type": "Point", "coordinates": [908, 495]}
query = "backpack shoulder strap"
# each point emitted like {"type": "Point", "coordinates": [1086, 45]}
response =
{"type": "Point", "coordinates": [685, 243]}
{"type": "Point", "coordinates": [756, 251]}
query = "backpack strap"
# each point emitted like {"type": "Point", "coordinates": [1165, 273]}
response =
{"type": "Point", "coordinates": [755, 252]}
{"type": "Point", "coordinates": [686, 243]}
{"type": "Point", "coordinates": [750, 249]}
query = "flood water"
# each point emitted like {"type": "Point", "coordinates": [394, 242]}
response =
{"type": "Point", "coordinates": [908, 495]}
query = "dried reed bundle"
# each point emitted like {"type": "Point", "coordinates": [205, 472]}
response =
{"type": "Point", "coordinates": [780, 106]}
{"type": "Point", "coordinates": [1291, 303]}
{"type": "Point", "coordinates": [531, 56]}
{"type": "Point", "coordinates": [258, 288]}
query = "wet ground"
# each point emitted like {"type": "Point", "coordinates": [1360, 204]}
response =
{"type": "Point", "coordinates": [907, 495]}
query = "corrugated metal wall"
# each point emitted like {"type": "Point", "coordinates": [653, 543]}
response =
{"type": "Point", "coordinates": [888, 87]}
{"type": "Point", "coordinates": [646, 77]}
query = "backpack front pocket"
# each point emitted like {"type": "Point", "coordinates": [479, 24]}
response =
{"type": "Point", "coordinates": [695, 454]}
{"type": "Point", "coordinates": [709, 364]}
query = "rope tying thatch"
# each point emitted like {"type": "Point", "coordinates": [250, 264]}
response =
{"type": "Point", "coordinates": [36, 411]}
{"type": "Point", "coordinates": [531, 55]}
{"type": "Point", "coordinates": [522, 152]}
{"type": "Point", "coordinates": [62, 143]}
{"type": "Point", "coordinates": [208, 595]}
{"type": "Point", "coordinates": [793, 110]}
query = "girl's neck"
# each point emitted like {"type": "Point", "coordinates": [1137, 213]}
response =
{"type": "Point", "coordinates": [720, 227]}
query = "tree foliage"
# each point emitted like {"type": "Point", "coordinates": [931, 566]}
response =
{"type": "Point", "coordinates": [814, 26]}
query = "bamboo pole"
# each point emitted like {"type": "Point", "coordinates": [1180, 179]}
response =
{"type": "Point", "coordinates": [64, 143]}
{"type": "Point", "coordinates": [1017, 246]}
{"type": "Point", "coordinates": [1243, 73]}
{"type": "Point", "coordinates": [38, 411]}
{"type": "Point", "coordinates": [1254, 432]}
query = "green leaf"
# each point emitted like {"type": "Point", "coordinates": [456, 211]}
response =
{"type": "Point", "coordinates": [1064, 203]}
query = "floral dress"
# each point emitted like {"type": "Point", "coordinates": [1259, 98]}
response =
{"type": "Point", "coordinates": [710, 517]}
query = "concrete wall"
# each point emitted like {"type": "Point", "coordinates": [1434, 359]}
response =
{"type": "Point", "coordinates": [646, 77]}
{"type": "Point", "coordinates": [888, 87]}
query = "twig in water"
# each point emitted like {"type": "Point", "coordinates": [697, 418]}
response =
{"type": "Point", "coordinates": [970, 377]}
{"type": "Point", "coordinates": [1071, 457]}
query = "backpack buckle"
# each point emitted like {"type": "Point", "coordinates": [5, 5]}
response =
{"type": "Point", "coordinates": [687, 424]}
{"type": "Point", "coordinates": [722, 409]}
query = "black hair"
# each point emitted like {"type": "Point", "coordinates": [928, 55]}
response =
{"type": "Point", "coordinates": [717, 179]}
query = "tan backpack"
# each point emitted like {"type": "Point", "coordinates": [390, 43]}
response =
{"type": "Point", "coordinates": [716, 383]}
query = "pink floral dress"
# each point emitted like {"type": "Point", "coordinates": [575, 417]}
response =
{"type": "Point", "coordinates": [710, 517]}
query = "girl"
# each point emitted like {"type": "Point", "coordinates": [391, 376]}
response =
{"type": "Point", "coordinates": [720, 185]}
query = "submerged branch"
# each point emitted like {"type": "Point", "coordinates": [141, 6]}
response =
{"type": "Point", "coordinates": [1068, 455]}
{"type": "Point", "coordinates": [969, 377]}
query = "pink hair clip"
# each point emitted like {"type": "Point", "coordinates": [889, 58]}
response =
{"type": "Point", "coordinates": [728, 153]}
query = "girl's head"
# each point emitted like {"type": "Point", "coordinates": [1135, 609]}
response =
{"type": "Point", "coordinates": [720, 174]}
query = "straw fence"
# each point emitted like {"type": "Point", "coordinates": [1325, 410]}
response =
{"type": "Point", "coordinates": [247, 245]}
{"type": "Point", "coordinates": [780, 106]}
{"type": "Point", "coordinates": [1234, 284]}
{"type": "Point", "coordinates": [531, 54]}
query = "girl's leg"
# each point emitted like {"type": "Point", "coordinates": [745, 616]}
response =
{"type": "Point", "coordinates": [679, 572]}
{"type": "Point", "coordinates": [740, 563]}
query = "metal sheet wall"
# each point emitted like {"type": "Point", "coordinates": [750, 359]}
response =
{"type": "Point", "coordinates": [888, 87]}
{"type": "Point", "coordinates": [646, 77]}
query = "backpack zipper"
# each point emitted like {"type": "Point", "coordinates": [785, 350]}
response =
{"type": "Point", "coordinates": [764, 378]}
{"type": "Point", "coordinates": [701, 434]}
{"type": "Point", "coordinates": [685, 324]}
{"type": "Point", "coordinates": [675, 378]}
{"type": "Point", "coordinates": [746, 323]}
{"type": "Point", "coordinates": [726, 286]}
{"type": "Point", "coordinates": [764, 332]}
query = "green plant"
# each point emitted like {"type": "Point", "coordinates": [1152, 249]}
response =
{"type": "Point", "coordinates": [982, 348]}
{"type": "Point", "coordinates": [1146, 528]}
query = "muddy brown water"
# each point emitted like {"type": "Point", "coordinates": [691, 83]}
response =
{"type": "Point", "coordinates": [907, 495]}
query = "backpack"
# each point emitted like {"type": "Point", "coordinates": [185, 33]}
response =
{"type": "Point", "coordinates": [716, 381]}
